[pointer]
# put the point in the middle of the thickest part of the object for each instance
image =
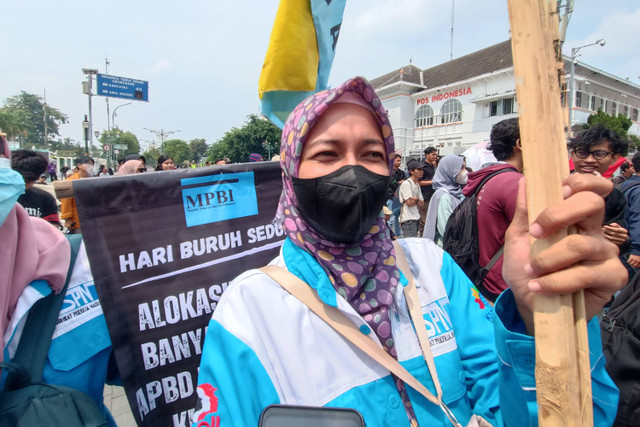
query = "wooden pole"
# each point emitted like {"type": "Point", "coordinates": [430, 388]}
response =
{"type": "Point", "coordinates": [563, 387]}
{"type": "Point", "coordinates": [63, 189]}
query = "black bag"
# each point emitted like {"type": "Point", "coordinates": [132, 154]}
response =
{"type": "Point", "coordinates": [461, 239]}
{"type": "Point", "coordinates": [620, 329]}
{"type": "Point", "coordinates": [25, 400]}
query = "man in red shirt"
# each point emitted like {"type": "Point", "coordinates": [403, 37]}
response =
{"type": "Point", "coordinates": [497, 200]}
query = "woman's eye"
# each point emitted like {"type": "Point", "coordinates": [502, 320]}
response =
{"type": "Point", "coordinates": [375, 154]}
{"type": "Point", "coordinates": [325, 154]}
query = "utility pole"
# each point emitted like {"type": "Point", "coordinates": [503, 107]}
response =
{"type": "Point", "coordinates": [106, 98]}
{"type": "Point", "coordinates": [44, 118]}
{"type": "Point", "coordinates": [86, 88]}
{"type": "Point", "coordinates": [162, 134]}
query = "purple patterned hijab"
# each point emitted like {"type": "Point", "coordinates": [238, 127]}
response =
{"type": "Point", "coordinates": [364, 273]}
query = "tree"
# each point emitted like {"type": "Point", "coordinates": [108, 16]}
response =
{"type": "Point", "coordinates": [12, 122]}
{"type": "Point", "coordinates": [29, 114]}
{"type": "Point", "coordinates": [198, 147]}
{"type": "Point", "coordinates": [237, 144]}
{"type": "Point", "coordinates": [178, 150]}
{"type": "Point", "coordinates": [151, 156]}
{"type": "Point", "coordinates": [620, 124]}
{"type": "Point", "coordinates": [118, 136]}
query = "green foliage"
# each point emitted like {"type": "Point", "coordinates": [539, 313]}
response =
{"type": "Point", "coordinates": [24, 118]}
{"type": "Point", "coordinates": [198, 147]}
{"type": "Point", "coordinates": [151, 156]}
{"type": "Point", "coordinates": [178, 150]}
{"type": "Point", "coordinates": [67, 147]}
{"type": "Point", "coordinates": [12, 122]}
{"type": "Point", "coordinates": [238, 143]}
{"type": "Point", "coordinates": [118, 136]}
{"type": "Point", "coordinates": [620, 124]}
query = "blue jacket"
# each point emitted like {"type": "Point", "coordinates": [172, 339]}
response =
{"type": "Point", "coordinates": [632, 213]}
{"type": "Point", "coordinates": [263, 346]}
{"type": "Point", "coordinates": [80, 347]}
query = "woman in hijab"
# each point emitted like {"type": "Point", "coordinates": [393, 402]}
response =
{"type": "Point", "coordinates": [132, 166]}
{"type": "Point", "coordinates": [165, 163]}
{"type": "Point", "coordinates": [450, 177]}
{"type": "Point", "coordinates": [31, 249]}
{"type": "Point", "coordinates": [265, 346]}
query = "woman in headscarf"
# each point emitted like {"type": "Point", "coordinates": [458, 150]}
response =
{"type": "Point", "coordinates": [31, 249]}
{"type": "Point", "coordinates": [264, 346]}
{"type": "Point", "coordinates": [132, 166]}
{"type": "Point", "coordinates": [450, 177]}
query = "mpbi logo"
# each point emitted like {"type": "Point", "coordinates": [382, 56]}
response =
{"type": "Point", "coordinates": [216, 198]}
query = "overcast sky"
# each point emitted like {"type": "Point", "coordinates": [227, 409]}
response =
{"type": "Point", "coordinates": [202, 58]}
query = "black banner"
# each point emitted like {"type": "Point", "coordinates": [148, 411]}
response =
{"type": "Point", "coordinates": [162, 247]}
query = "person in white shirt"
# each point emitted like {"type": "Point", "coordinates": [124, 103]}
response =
{"type": "Point", "coordinates": [411, 198]}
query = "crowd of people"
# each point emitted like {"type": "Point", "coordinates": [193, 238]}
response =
{"type": "Point", "coordinates": [265, 345]}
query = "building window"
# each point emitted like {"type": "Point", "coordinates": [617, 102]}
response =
{"type": "Point", "coordinates": [501, 107]}
{"type": "Point", "coordinates": [424, 116]}
{"type": "Point", "coordinates": [592, 103]}
{"type": "Point", "coordinates": [578, 99]}
{"type": "Point", "coordinates": [634, 114]}
{"type": "Point", "coordinates": [509, 106]}
{"type": "Point", "coordinates": [614, 108]}
{"type": "Point", "coordinates": [451, 111]}
{"type": "Point", "coordinates": [493, 108]}
{"type": "Point", "coordinates": [625, 110]}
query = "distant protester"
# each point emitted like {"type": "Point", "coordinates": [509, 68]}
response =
{"type": "Point", "coordinates": [451, 175]}
{"type": "Point", "coordinates": [38, 203]}
{"type": "Point", "coordinates": [165, 163]}
{"type": "Point", "coordinates": [68, 209]}
{"type": "Point", "coordinates": [136, 157]}
{"type": "Point", "coordinates": [132, 166]}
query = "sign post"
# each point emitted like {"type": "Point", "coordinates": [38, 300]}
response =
{"type": "Point", "coordinates": [123, 87]}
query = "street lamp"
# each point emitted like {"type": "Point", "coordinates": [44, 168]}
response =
{"type": "Point", "coordinates": [113, 115]}
{"type": "Point", "coordinates": [86, 88]}
{"type": "Point", "coordinates": [267, 146]}
{"type": "Point", "coordinates": [85, 125]}
{"type": "Point", "coordinates": [572, 97]}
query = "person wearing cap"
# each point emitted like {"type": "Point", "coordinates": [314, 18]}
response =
{"type": "Point", "coordinates": [136, 157]}
{"type": "Point", "coordinates": [411, 198]}
{"type": "Point", "coordinates": [68, 209]}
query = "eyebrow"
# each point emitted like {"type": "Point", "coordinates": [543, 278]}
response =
{"type": "Point", "coordinates": [368, 141]}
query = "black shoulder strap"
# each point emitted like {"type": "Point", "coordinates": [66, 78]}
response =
{"type": "Point", "coordinates": [480, 286]}
{"type": "Point", "coordinates": [41, 322]}
{"type": "Point", "coordinates": [491, 175]}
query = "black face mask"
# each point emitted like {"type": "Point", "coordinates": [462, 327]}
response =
{"type": "Point", "coordinates": [343, 205]}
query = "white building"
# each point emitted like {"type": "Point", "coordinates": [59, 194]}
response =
{"type": "Point", "coordinates": [453, 105]}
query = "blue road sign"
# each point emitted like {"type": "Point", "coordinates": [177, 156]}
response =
{"type": "Point", "coordinates": [123, 87]}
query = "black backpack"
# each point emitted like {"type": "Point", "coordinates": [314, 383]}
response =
{"type": "Point", "coordinates": [25, 400]}
{"type": "Point", "coordinates": [461, 239]}
{"type": "Point", "coordinates": [620, 328]}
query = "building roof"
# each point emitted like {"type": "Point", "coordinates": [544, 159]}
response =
{"type": "Point", "coordinates": [602, 77]}
{"type": "Point", "coordinates": [409, 73]}
{"type": "Point", "coordinates": [484, 61]}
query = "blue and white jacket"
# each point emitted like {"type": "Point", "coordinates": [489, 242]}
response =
{"type": "Point", "coordinates": [80, 346]}
{"type": "Point", "coordinates": [263, 347]}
